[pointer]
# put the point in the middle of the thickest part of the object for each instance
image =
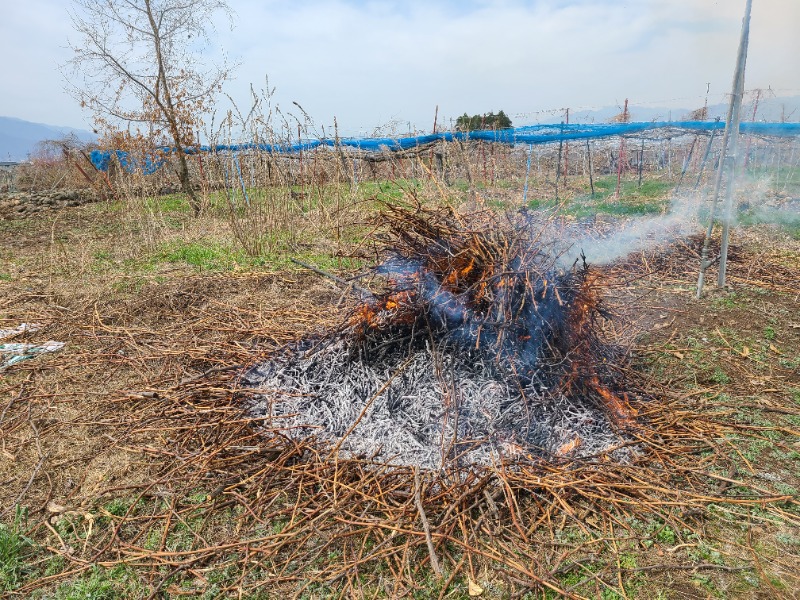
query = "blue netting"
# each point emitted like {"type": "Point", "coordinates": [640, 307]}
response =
{"type": "Point", "coordinates": [530, 134]}
{"type": "Point", "coordinates": [149, 164]}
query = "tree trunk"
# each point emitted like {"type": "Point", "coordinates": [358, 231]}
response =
{"type": "Point", "coordinates": [168, 110]}
{"type": "Point", "coordinates": [186, 182]}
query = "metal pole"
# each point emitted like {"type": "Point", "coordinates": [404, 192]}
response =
{"type": "Point", "coordinates": [738, 84]}
{"type": "Point", "coordinates": [737, 114]}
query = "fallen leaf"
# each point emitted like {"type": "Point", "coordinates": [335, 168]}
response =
{"type": "Point", "coordinates": [678, 354]}
{"type": "Point", "coordinates": [55, 508]}
{"type": "Point", "coordinates": [774, 349]}
{"type": "Point", "coordinates": [474, 589]}
{"type": "Point", "coordinates": [745, 351]}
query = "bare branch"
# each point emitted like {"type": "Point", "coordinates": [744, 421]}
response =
{"type": "Point", "coordinates": [139, 61]}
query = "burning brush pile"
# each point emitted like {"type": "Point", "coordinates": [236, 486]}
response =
{"type": "Point", "coordinates": [478, 348]}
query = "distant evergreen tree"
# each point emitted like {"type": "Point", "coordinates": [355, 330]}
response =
{"type": "Point", "coordinates": [484, 121]}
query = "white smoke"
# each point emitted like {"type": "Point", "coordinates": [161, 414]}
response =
{"type": "Point", "coordinates": [603, 247]}
{"type": "Point", "coordinates": [755, 201]}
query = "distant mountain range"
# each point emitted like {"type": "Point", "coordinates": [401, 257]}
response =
{"type": "Point", "coordinates": [771, 109]}
{"type": "Point", "coordinates": [18, 138]}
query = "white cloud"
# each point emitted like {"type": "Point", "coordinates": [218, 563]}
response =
{"type": "Point", "coordinates": [370, 61]}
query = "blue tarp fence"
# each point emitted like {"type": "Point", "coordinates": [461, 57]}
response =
{"type": "Point", "coordinates": [530, 134]}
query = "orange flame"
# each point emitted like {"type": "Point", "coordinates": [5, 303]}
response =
{"type": "Point", "coordinates": [466, 270]}
{"type": "Point", "coordinates": [365, 315]}
{"type": "Point", "coordinates": [568, 447]}
{"type": "Point", "coordinates": [397, 300]}
{"type": "Point", "coordinates": [620, 411]}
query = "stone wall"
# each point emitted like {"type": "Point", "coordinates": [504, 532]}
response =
{"type": "Point", "coordinates": [19, 205]}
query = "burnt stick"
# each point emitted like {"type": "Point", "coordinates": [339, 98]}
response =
{"type": "Point", "coordinates": [363, 292]}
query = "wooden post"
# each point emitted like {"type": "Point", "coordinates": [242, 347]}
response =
{"type": "Point", "coordinates": [435, 119]}
{"type": "Point", "coordinates": [591, 177]}
{"type": "Point", "coordinates": [483, 152]}
{"type": "Point", "coordinates": [493, 160]}
{"type": "Point", "coordinates": [749, 137]}
{"type": "Point", "coordinates": [339, 169]}
{"type": "Point", "coordinates": [669, 157]}
{"type": "Point", "coordinates": [566, 153]}
{"type": "Point", "coordinates": [705, 159]}
{"type": "Point", "coordinates": [686, 163]}
{"type": "Point", "coordinates": [558, 162]}
{"type": "Point", "coordinates": [641, 162]}
{"type": "Point", "coordinates": [527, 174]}
{"type": "Point", "coordinates": [302, 178]}
{"type": "Point", "coordinates": [625, 119]}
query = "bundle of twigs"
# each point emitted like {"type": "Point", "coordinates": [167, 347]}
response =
{"type": "Point", "coordinates": [494, 285]}
{"type": "Point", "coordinates": [478, 337]}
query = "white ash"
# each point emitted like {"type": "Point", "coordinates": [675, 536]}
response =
{"type": "Point", "coordinates": [431, 407]}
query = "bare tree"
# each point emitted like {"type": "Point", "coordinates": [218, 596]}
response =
{"type": "Point", "coordinates": [140, 62]}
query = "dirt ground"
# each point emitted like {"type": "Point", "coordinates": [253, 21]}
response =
{"type": "Point", "coordinates": [100, 442]}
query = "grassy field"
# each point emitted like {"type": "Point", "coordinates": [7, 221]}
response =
{"type": "Point", "coordinates": [128, 471]}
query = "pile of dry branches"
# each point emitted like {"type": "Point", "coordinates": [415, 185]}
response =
{"type": "Point", "coordinates": [479, 348]}
{"type": "Point", "coordinates": [277, 513]}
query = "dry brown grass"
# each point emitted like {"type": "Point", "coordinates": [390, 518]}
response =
{"type": "Point", "coordinates": [139, 411]}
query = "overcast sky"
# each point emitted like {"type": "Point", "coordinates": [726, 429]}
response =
{"type": "Point", "coordinates": [373, 62]}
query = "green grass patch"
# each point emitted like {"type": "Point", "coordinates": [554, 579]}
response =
{"type": "Point", "coordinates": [213, 256]}
{"type": "Point", "coordinates": [171, 203]}
{"type": "Point", "coordinates": [15, 548]}
{"type": "Point", "coordinates": [178, 203]}
{"type": "Point", "coordinates": [118, 507]}
{"type": "Point", "coordinates": [650, 188]}
{"type": "Point", "coordinates": [652, 197]}
{"type": "Point", "coordinates": [787, 220]}
{"type": "Point", "coordinates": [108, 206]}
{"type": "Point", "coordinates": [729, 300]}
{"type": "Point", "coordinates": [785, 178]}
{"type": "Point", "coordinates": [205, 255]}
{"type": "Point", "coordinates": [542, 204]}
{"type": "Point", "coordinates": [16, 225]}
{"type": "Point", "coordinates": [102, 584]}
{"type": "Point", "coordinates": [389, 192]}
{"type": "Point", "coordinates": [631, 207]}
